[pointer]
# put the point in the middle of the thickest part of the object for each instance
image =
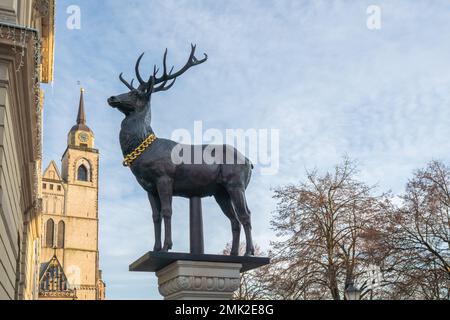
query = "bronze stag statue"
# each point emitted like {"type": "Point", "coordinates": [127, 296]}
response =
{"type": "Point", "coordinates": [150, 160]}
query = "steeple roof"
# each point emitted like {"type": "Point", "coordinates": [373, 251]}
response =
{"type": "Point", "coordinates": [81, 118]}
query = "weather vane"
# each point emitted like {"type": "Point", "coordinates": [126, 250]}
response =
{"type": "Point", "coordinates": [79, 84]}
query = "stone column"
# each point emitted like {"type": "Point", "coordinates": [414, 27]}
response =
{"type": "Point", "coordinates": [199, 280]}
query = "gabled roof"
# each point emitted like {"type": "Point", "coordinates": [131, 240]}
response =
{"type": "Point", "coordinates": [52, 167]}
{"type": "Point", "coordinates": [53, 282]}
{"type": "Point", "coordinates": [51, 268]}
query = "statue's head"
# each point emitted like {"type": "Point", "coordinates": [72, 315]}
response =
{"type": "Point", "coordinates": [137, 99]}
{"type": "Point", "coordinates": [130, 102]}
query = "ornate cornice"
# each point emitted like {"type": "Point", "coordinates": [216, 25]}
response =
{"type": "Point", "coordinates": [45, 9]}
{"type": "Point", "coordinates": [87, 287]}
{"type": "Point", "coordinates": [42, 7]}
{"type": "Point", "coordinates": [57, 294]}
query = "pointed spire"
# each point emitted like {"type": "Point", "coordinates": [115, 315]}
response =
{"type": "Point", "coordinates": [81, 119]}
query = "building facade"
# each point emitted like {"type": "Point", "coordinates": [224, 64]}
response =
{"type": "Point", "coordinates": [69, 254]}
{"type": "Point", "coordinates": [26, 61]}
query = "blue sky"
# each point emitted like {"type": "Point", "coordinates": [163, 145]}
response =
{"type": "Point", "coordinates": [311, 69]}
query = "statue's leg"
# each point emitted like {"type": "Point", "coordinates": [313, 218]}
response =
{"type": "Point", "coordinates": [165, 192]}
{"type": "Point", "coordinates": [157, 219]}
{"type": "Point", "coordinates": [237, 196]}
{"type": "Point", "coordinates": [224, 201]}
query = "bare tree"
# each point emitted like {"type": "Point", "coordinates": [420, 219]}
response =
{"type": "Point", "coordinates": [252, 285]}
{"type": "Point", "coordinates": [332, 229]}
{"type": "Point", "coordinates": [418, 237]}
{"type": "Point", "coordinates": [324, 227]}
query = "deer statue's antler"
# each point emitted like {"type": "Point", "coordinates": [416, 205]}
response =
{"type": "Point", "coordinates": [192, 61]}
{"type": "Point", "coordinates": [155, 84]}
{"type": "Point", "coordinates": [129, 86]}
{"type": "Point", "coordinates": [136, 69]}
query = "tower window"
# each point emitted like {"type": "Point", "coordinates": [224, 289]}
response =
{"type": "Point", "coordinates": [61, 234]}
{"type": "Point", "coordinates": [59, 188]}
{"type": "Point", "coordinates": [51, 187]}
{"type": "Point", "coordinates": [49, 235]}
{"type": "Point", "coordinates": [82, 174]}
{"type": "Point", "coordinates": [45, 186]}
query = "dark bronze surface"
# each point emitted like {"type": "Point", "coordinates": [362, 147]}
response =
{"type": "Point", "coordinates": [196, 226]}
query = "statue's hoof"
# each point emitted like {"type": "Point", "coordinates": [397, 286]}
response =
{"type": "Point", "coordinates": [157, 249]}
{"type": "Point", "coordinates": [250, 253]}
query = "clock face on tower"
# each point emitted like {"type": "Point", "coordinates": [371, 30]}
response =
{"type": "Point", "coordinates": [84, 137]}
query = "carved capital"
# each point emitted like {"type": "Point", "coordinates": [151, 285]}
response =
{"type": "Point", "coordinates": [198, 284]}
{"type": "Point", "coordinates": [198, 280]}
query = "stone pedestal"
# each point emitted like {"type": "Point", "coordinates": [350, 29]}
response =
{"type": "Point", "coordinates": [185, 276]}
{"type": "Point", "coordinates": [194, 280]}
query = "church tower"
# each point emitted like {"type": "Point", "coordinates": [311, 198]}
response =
{"type": "Point", "coordinates": [70, 219]}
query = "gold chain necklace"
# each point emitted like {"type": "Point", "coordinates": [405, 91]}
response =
{"type": "Point", "coordinates": [129, 159]}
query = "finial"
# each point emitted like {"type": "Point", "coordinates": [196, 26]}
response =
{"type": "Point", "coordinates": [82, 89]}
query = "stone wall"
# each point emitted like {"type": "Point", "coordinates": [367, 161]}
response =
{"type": "Point", "coordinates": [11, 223]}
{"type": "Point", "coordinates": [21, 25]}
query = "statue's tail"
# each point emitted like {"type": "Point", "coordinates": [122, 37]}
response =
{"type": "Point", "coordinates": [249, 163]}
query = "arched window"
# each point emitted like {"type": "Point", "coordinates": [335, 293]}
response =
{"type": "Point", "coordinates": [61, 234]}
{"type": "Point", "coordinates": [82, 174]}
{"type": "Point", "coordinates": [50, 233]}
